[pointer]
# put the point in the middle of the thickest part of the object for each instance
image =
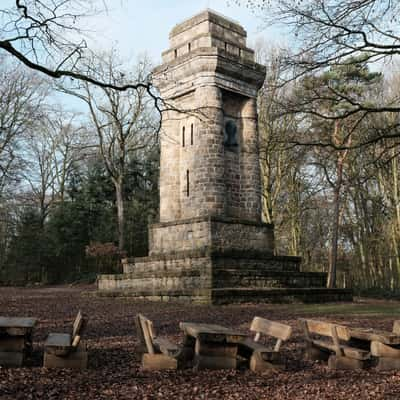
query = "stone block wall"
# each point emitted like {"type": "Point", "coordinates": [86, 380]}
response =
{"type": "Point", "coordinates": [207, 30]}
{"type": "Point", "coordinates": [194, 275]}
{"type": "Point", "coordinates": [211, 233]}
{"type": "Point", "coordinates": [210, 77]}
{"type": "Point", "coordinates": [165, 273]}
{"type": "Point", "coordinates": [242, 237]}
{"type": "Point", "coordinates": [199, 175]}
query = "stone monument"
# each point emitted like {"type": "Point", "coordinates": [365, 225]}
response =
{"type": "Point", "coordinates": [210, 244]}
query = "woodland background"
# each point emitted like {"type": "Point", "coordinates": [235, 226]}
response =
{"type": "Point", "coordinates": [78, 189]}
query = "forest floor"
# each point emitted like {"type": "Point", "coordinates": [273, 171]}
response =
{"type": "Point", "coordinates": [114, 363]}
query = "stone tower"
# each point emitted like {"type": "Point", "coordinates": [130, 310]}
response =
{"type": "Point", "coordinates": [209, 157]}
{"type": "Point", "coordinates": [211, 244]}
{"type": "Point", "coordinates": [209, 171]}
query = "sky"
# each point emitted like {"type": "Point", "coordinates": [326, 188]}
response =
{"type": "Point", "coordinates": [138, 27]}
{"type": "Point", "coordinates": [135, 27]}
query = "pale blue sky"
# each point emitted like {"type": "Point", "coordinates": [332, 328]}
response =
{"type": "Point", "coordinates": [137, 26]}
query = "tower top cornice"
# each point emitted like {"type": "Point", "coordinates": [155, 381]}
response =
{"type": "Point", "coordinates": [208, 15]}
{"type": "Point", "coordinates": [208, 49]}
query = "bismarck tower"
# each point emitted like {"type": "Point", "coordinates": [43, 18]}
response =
{"type": "Point", "coordinates": [211, 244]}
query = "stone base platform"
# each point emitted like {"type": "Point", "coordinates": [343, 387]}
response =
{"type": "Point", "coordinates": [235, 295]}
{"type": "Point", "coordinates": [218, 277]}
{"type": "Point", "coordinates": [219, 234]}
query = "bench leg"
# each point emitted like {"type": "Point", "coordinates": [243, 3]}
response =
{"type": "Point", "coordinates": [314, 353]}
{"type": "Point", "coordinates": [342, 362]}
{"type": "Point", "coordinates": [76, 360]}
{"type": "Point", "coordinates": [11, 359]}
{"type": "Point", "coordinates": [154, 362]}
{"type": "Point", "coordinates": [210, 355]}
{"type": "Point", "coordinates": [185, 357]}
{"type": "Point", "coordinates": [214, 362]}
{"type": "Point", "coordinates": [216, 349]}
{"type": "Point", "coordinates": [258, 364]}
{"type": "Point", "coordinates": [14, 344]}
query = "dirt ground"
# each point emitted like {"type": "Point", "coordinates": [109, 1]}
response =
{"type": "Point", "coordinates": [114, 363]}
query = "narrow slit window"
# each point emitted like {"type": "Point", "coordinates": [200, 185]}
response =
{"type": "Point", "coordinates": [187, 183]}
{"type": "Point", "coordinates": [176, 53]}
{"type": "Point", "coordinates": [183, 137]}
{"type": "Point", "coordinates": [189, 47]}
{"type": "Point", "coordinates": [191, 134]}
{"type": "Point", "coordinates": [226, 46]}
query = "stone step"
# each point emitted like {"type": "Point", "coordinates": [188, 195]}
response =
{"type": "Point", "coordinates": [175, 279]}
{"type": "Point", "coordinates": [154, 281]}
{"type": "Point", "coordinates": [198, 296]}
{"type": "Point", "coordinates": [152, 274]}
{"type": "Point", "coordinates": [235, 295]}
{"type": "Point", "coordinates": [231, 265]}
{"type": "Point", "coordinates": [279, 295]}
{"type": "Point", "coordinates": [218, 274]}
{"type": "Point", "coordinates": [219, 259]}
{"type": "Point", "coordinates": [271, 279]}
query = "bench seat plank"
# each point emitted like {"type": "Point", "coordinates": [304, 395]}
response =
{"type": "Point", "coordinates": [348, 351]}
{"type": "Point", "coordinates": [15, 322]}
{"type": "Point", "coordinates": [165, 346]}
{"type": "Point", "coordinates": [376, 335]}
{"type": "Point", "coordinates": [254, 346]}
{"type": "Point", "coordinates": [211, 332]}
{"type": "Point", "coordinates": [382, 350]}
{"type": "Point", "coordinates": [58, 344]}
{"type": "Point", "coordinates": [58, 340]}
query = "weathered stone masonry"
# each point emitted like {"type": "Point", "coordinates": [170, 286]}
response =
{"type": "Point", "coordinates": [211, 244]}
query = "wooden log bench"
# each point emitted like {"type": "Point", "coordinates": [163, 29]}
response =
{"type": "Point", "coordinates": [260, 356]}
{"type": "Point", "coordinates": [158, 353]}
{"type": "Point", "coordinates": [213, 346]}
{"type": "Point", "coordinates": [388, 355]}
{"type": "Point", "coordinates": [15, 340]}
{"type": "Point", "coordinates": [332, 345]}
{"type": "Point", "coordinates": [66, 350]}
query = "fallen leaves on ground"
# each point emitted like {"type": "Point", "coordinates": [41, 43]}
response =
{"type": "Point", "coordinates": [114, 363]}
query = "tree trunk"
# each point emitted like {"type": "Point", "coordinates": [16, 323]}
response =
{"type": "Point", "coordinates": [335, 237]}
{"type": "Point", "coordinates": [341, 157]}
{"type": "Point", "coordinates": [120, 215]}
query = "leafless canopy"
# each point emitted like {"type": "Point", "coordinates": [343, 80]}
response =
{"type": "Point", "coordinates": [45, 36]}
{"type": "Point", "coordinates": [328, 33]}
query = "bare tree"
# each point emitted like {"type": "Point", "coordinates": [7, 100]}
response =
{"type": "Point", "coordinates": [45, 35]}
{"type": "Point", "coordinates": [123, 121]}
{"type": "Point", "coordinates": [49, 153]}
{"type": "Point", "coordinates": [325, 34]}
{"type": "Point", "coordinates": [39, 175]}
{"type": "Point", "coordinates": [69, 141]}
{"type": "Point", "coordinates": [21, 100]}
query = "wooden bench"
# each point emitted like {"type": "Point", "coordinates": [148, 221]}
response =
{"type": "Point", "coordinates": [211, 346]}
{"type": "Point", "coordinates": [15, 340]}
{"type": "Point", "coordinates": [332, 345]}
{"type": "Point", "coordinates": [262, 357]}
{"type": "Point", "coordinates": [65, 350]}
{"type": "Point", "coordinates": [388, 355]}
{"type": "Point", "coordinates": [158, 353]}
